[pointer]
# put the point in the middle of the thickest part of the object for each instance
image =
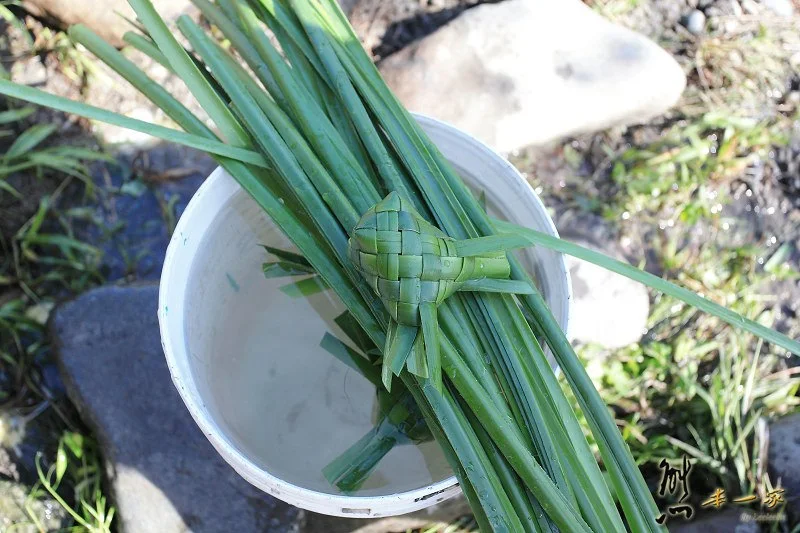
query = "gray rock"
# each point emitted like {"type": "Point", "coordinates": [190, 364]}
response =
{"type": "Point", "coordinates": [724, 521]}
{"type": "Point", "coordinates": [16, 510]}
{"type": "Point", "coordinates": [696, 22]}
{"type": "Point", "coordinates": [784, 467]}
{"type": "Point", "coordinates": [518, 72]}
{"type": "Point", "coordinates": [607, 309]}
{"type": "Point", "coordinates": [165, 476]}
{"type": "Point", "coordinates": [780, 7]}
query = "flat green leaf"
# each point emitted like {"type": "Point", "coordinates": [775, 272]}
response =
{"type": "Point", "coordinates": [305, 287]}
{"type": "Point", "coordinates": [146, 46]}
{"type": "Point", "coordinates": [61, 464]}
{"type": "Point", "coordinates": [351, 358]}
{"type": "Point", "coordinates": [417, 363]}
{"type": "Point", "coordinates": [281, 269]}
{"type": "Point", "coordinates": [29, 139]}
{"type": "Point", "coordinates": [14, 115]}
{"type": "Point", "coordinates": [510, 286]}
{"type": "Point", "coordinates": [518, 237]}
{"type": "Point", "coordinates": [80, 154]}
{"type": "Point", "coordinates": [190, 73]}
{"type": "Point", "coordinates": [287, 255]}
{"type": "Point", "coordinates": [39, 97]}
{"type": "Point", "coordinates": [398, 347]}
{"type": "Point", "coordinates": [430, 336]}
{"type": "Point", "coordinates": [5, 186]}
{"type": "Point", "coordinates": [350, 326]}
{"type": "Point", "coordinates": [63, 242]}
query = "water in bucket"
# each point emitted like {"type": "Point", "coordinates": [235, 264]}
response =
{"type": "Point", "coordinates": [286, 403]}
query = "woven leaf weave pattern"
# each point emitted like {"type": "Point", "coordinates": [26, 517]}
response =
{"type": "Point", "coordinates": [409, 262]}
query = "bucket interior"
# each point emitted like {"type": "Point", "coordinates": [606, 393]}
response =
{"type": "Point", "coordinates": [283, 402]}
{"type": "Point", "coordinates": [288, 405]}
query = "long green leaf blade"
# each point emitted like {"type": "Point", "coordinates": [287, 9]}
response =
{"type": "Point", "coordinates": [39, 97]}
{"type": "Point", "coordinates": [518, 237]}
{"type": "Point", "coordinates": [188, 71]}
{"type": "Point", "coordinates": [28, 140]}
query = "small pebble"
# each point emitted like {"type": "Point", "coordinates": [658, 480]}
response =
{"type": "Point", "coordinates": [696, 22]}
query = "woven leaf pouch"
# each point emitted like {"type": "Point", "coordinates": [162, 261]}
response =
{"type": "Point", "coordinates": [413, 267]}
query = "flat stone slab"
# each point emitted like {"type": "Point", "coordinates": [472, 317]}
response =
{"type": "Point", "coordinates": [165, 476]}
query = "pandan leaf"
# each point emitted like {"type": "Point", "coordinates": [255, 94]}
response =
{"type": "Point", "coordinates": [351, 358]}
{"type": "Point", "coordinates": [399, 340]}
{"type": "Point", "coordinates": [430, 337]}
{"type": "Point", "coordinates": [417, 363]}
{"type": "Point", "coordinates": [305, 287]}
{"type": "Point", "coordinates": [287, 256]}
{"type": "Point", "coordinates": [280, 269]}
{"type": "Point", "coordinates": [509, 286]}
{"type": "Point", "coordinates": [355, 332]}
{"type": "Point", "coordinates": [519, 237]}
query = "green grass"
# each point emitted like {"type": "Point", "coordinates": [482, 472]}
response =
{"type": "Point", "coordinates": [695, 386]}
{"type": "Point", "coordinates": [741, 66]}
{"type": "Point", "coordinates": [77, 472]}
{"type": "Point", "coordinates": [42, 263]}
{"type": "Point", "coordinates": [678, 177]}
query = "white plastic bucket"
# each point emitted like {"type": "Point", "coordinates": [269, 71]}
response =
{"type": "Point", "coordinates": [219, 229]}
